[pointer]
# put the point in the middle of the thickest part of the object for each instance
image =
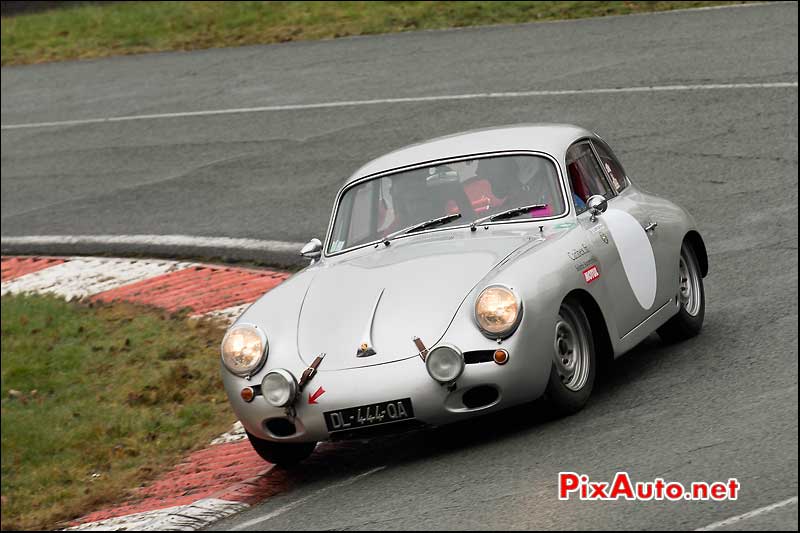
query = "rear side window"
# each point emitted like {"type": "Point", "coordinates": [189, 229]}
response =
{"type": "Point", "coordinates": [585, 175]}
{"type": "Point", "coordinates": [616, 174]}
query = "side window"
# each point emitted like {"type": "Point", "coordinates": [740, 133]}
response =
{"type": "Point", "coordinates": [585, 175]}
{"type": "Point", "coordinates": [613, 168]}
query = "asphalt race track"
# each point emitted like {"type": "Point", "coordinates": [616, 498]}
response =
{"type": "Point", "coordinates": [721, 141]}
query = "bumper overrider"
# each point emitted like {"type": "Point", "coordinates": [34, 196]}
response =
{"type": "Point", "coordinates": [333, 404]}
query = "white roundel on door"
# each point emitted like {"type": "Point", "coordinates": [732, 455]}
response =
{"type": "Point", "coordinates": [636, 254]}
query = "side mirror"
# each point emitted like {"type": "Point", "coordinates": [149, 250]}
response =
{"type": "Point", "coordinates": [312, 250]}
{"type": "Point", "coordinates": [597, 205]}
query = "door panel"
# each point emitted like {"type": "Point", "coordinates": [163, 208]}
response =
{"type": "Point", "coordinates": [665, 238]}
{"type": "Point", "coordinates": [646, 251]}
{"type": "Point", "coordinates": [618, 238]}
{"type": "Point", "coordinates": [636, 255]}
{"type": "Point", "coordinates": [613, 242]}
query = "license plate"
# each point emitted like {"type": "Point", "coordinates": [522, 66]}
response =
{"type": "Point", "coordinates": [369, 415]}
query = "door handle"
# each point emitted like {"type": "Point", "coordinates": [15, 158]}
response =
{"type": "Point", "coordinates": [650, 227]}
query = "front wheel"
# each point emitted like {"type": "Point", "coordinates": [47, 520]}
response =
{"type": "Point", "coordinates": [573, 370]}
{"type": "Point", "coordinates": [281, 453]}
{"type": "Point", "coordinates": [691, 300]}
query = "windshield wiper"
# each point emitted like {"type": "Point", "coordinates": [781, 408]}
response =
{"type": "Point", "coordinates": [421, 226]}
{"type": "Point", "coordinates": [508, 213]}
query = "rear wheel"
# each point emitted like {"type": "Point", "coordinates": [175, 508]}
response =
{"type": "Point", "coordinates": [282, 453]}
{"type": "Point", "coordinates": [573, 370]}
{"type": "Point", "coordinates": [691, 300]}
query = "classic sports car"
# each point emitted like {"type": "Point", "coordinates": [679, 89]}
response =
{"type": "Point", "coordinates": [460, 276]}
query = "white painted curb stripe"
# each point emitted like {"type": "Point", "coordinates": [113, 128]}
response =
{"type": "Point", "coordinates": [80, 277]}
{"type": "Point", "coordinates": [413, 99]}
{"type": "Point", "coordinates": [756, 512]}
{"type": "Point", "coordinates": [180, 518]}
{"type": "Point", "coordinates": [235, 434]}
{"type": "Point", "coordinates": [229, 314]}
{"type": "Point", "coordinates": [157, 240]}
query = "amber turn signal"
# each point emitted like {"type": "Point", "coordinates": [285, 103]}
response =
{"type": "Point", "coordinates": [248, 394]}
{"type": "Point", "coordinates": [500, 357]}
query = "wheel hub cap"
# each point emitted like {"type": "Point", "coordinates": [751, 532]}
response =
{"type": "Point", "coordinates": [688, 286]}
{"type": "Point", "coordinates": [571, 352]}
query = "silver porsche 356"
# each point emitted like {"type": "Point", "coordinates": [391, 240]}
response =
{"type": "Point", "coordinates": [460, 276]}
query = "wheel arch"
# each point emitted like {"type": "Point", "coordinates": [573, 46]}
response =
{"type": "Point", "coordinates": [699, 247]}
{"type": "Point", "coordinates": [604, 349]}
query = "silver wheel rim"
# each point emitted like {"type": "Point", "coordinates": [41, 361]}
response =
{"type": "Point", "coordinates": [688, 286]}
{"type": "Point", "coordinates": [571, 353]}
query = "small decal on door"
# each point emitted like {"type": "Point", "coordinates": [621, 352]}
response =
{"type": "Point", "coordinates": [591, 274]}
{"type": "Point", "coordinates": [578, 252]}
{"type": "Point", "coordinates": [599, 229]}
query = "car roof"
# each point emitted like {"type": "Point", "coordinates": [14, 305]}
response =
{"type": "Point", "coordinates": [553, 139]}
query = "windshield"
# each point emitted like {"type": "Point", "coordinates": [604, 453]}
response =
{"type": "Point", "coordinates": [477, 188]}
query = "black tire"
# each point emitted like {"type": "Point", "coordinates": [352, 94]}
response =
{"type": "Point", "coordinates": [565, 395]}
{"type": "Point", "coordinates": [282, 453]}
{"type": "Point", "coordinates": [689, 320]}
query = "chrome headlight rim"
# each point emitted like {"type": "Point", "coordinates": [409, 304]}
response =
{"type": "Point", "coordinates": [448, 346]}
{"type": "Point", "coordinates": [262, 358]}
{"type": "Point", "coordinates": [513, 327]}
{"type": "Point", "coordinates": [290, 380]}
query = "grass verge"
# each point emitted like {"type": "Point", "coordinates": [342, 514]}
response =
{"type": "Point", "coordinates": [89, 31]}
{"type": "Point", "coordinates": [97, 400]}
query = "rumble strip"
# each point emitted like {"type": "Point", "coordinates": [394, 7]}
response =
{"type": "Point", "coordinates": [222, 479]}
{"type": "Point", "coordinates": [209, 290]}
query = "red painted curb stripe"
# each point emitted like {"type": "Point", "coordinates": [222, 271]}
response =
{"type": "Point", "coordinates": [200, 289]}
{"type": "Point", "coordinates": [14, 267]}
{"type": "Point", "coordinates": [231, 472]}
{"type": "Point", "coordinates": [199, 476]}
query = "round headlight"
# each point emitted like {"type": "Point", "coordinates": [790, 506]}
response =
{"type": "Point", "coordinates": [445, 364]}
{"type": "Point", "coordinates": [279, 388]}
{"type": "Point", "coordinates": [244, 349]}
{"type": "Point", "coordinates": [497, 311]}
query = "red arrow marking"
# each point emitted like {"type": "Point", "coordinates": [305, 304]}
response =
{"type": "Point", "coordinates": [312, 398]}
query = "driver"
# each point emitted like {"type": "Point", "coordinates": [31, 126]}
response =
{"type": "Point", "coordinates": [518, 180]}
{"type": "Point", "coordinates": [428, 193]}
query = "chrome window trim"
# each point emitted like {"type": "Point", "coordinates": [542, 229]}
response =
{"type": "Point", "coordinates": [484, 155]}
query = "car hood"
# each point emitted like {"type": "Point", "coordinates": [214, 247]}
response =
{"type": "Point", "coordinates": [389, 295]}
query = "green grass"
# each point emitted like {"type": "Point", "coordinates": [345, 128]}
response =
{"type": "Point", "coordinates": [97, 400]}
{"type": "Point", "coordinates": [134, 27]}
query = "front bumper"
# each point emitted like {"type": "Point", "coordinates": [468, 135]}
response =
{"type": "Point", "coordinates": [523, 378]}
